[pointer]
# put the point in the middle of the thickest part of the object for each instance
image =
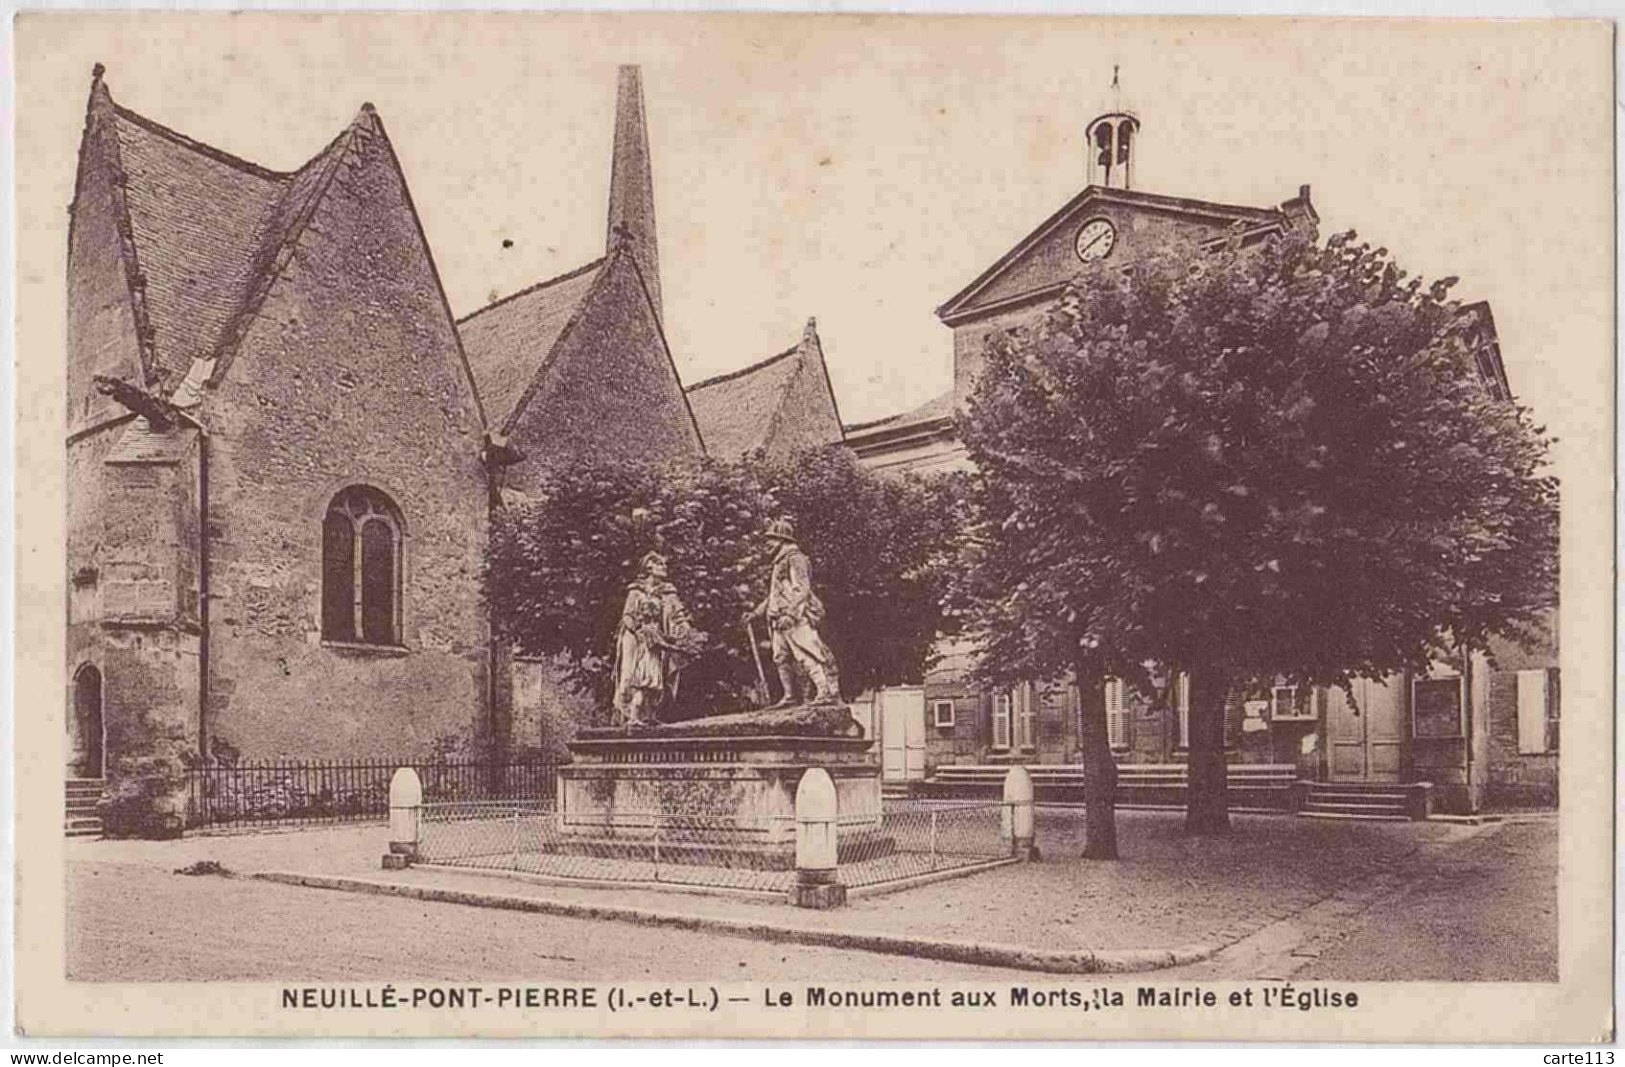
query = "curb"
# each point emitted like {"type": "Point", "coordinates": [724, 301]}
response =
{"type": "Point", "coordinates": [1017, 957]}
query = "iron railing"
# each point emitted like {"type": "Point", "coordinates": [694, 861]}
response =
{"type": "Point", "coordinates": [265, 794]}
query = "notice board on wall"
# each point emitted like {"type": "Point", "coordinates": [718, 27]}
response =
{"type": "Point", "coordinates": [1436, 707]}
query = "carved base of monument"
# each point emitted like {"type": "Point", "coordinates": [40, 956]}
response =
{"type": "Point", "coordinates": [718, 791]}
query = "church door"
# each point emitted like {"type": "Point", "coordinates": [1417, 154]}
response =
{"type": "Point", "coordinates": [1366, 734]}
{"type": "Point", "coordinates": [88, 737]}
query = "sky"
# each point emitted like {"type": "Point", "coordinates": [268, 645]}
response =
{"type": "Point", "coordinates": [862, 169]}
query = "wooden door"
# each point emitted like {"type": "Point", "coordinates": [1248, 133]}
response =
{"type": "Point", "coordinates": [1367, 733]}
{"type": "Point", "coordinates": [902, 733]}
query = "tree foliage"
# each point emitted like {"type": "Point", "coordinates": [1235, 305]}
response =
{"type": "Point", "coordinates": [1246, 462]}
{"type": "Point", "coordinates": [560, 563]}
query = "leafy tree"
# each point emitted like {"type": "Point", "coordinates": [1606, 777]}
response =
{"type": "Point", "coordinates": [560, 563]}
{"type": "Point", "coordinates": [1247, 462]}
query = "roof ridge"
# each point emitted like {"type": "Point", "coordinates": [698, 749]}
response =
{"type": "Point", "coordinates": [741, 372]}
{"type": "Point", "coordinates": [537, 287]}
{"type": "Point", "coordinates": [207, 150]}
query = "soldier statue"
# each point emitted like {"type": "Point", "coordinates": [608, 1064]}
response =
{"type": "Point", "coordinates": [652, 645]}
{"type": "Point", "coordinates": [794, 612]}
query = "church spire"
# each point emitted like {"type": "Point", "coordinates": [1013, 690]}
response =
{"type": "Point", "coordinates": [631, 184]}
{"type": "Point", "coordinates": [1109, 141]}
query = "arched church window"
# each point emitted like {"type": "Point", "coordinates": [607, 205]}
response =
{"type": "Point", "coordinates": [361, 568]}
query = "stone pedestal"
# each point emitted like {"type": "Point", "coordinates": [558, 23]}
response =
{"type": "Point", "coordinates": [748, 781]}
{"type": "Point", "coordinates": [728, 792]}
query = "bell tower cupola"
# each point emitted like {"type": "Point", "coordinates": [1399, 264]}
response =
{"type": "Point", "coordinates": [1112, 139]}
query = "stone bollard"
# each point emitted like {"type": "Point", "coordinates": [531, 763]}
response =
{"type": "Point", "coordinates": [816, 843]}
{"type": "Point", "coordinates": [405, 810]}
{"type": "Point", "coordinates": [1016, 819]}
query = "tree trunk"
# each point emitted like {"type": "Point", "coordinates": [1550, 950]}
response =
{"type": "Point", "coordinates": [1099, 769]}
{"type": "Point", "coordinates": [1207, 796]}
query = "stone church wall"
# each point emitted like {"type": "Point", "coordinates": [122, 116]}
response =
{"type": "Point", "coordinates": [351, 375]}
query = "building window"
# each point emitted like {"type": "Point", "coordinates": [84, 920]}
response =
{"type": "Point", "coordinates": [1026, 718]}
{"type": "Point", "coordinates": [1001, 721]}
{"type": "Point", "coordinates": [942, 714]}
{"type": "Point", "coordinates": [361, 569]}
{"type": "Point", "coordinates": [1116, 714]}
{"type": "Point", "coordinates": [1288, 703]}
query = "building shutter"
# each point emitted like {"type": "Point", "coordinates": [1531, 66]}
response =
{"type": "Point", "coordinates": [1001, 720]}
{"type": "Point", "coordinates": [1531, 712]}
{"type": "Point", "coordinates": [1116, 714]}
{"type": "Point", "coordinates": [1182, 691]}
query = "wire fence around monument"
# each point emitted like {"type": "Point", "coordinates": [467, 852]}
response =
{"type": "Point", "coordinates": [671, 849]}
{"type": "Point", "coordinates": [914, 838]}
{"type": "Point", "coordinates": [668, 848]}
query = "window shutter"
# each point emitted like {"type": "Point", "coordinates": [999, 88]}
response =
{"type": "Point", "coordinates": [1182, 687]}
{"type": "Point", "coordinates": [1531, 712]}
{"type": "Point", "coordinates": [1001, 720]}
{"type": "Point", "coordinates": [1116, 714]}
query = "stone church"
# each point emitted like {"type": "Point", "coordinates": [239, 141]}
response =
{"type": "Point", "coordinates": [284, 448]}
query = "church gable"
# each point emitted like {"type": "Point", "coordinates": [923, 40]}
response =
{"type": "Point", "coordinates": [105, 311]}
{"type": "Point", "coordinates": [608, 389]}
{"type": "Point", "coordinates": [348, 384]}
{"type": "Point", "coordinates": [1099, 227]}
{"type": "Point", "coordinates": [508, 342]}
{"type": "Point", "coordinates": [807, 417]}
{"type": "Point", "coordinates": [778, 405]}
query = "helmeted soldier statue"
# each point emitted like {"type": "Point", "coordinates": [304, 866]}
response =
{"type": "Point", "coordinates": [794, 613]}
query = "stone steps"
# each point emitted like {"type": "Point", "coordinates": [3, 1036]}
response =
{"type": "Point", "coordinates": [1356, 800]}
{"type": "Point", "coordinates": [81, 796]}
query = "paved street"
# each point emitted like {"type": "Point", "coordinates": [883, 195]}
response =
{"type": "Point", "coordinates": [1483, 909]}
{"type": "Point", "coordinates": [1288, 897]}
{"type": "Point", "coordinates": [140, 924]}
{"type": "Point", "coordinates": [1484, 914]}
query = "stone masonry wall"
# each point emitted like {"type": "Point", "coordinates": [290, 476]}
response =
{"type": "Point", "coordinates": [351, 374]}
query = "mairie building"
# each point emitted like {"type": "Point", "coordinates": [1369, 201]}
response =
{"type": "Point", "coordinates": [1475, 730]}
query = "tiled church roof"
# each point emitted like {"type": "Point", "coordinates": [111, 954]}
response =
{"type": "Point", "coordinates": [735, 410]}
{"type": "Point", "coordinates": [207, 229]}
{"type": "Point", "coordinates": [509, 341]}
{"type": "Point", "coordinates": [779, 405]}
{"type": "Point", "coordinates": [196, 219]}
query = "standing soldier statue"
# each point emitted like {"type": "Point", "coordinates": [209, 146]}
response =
{"type": "Point", "coordinates": [652, 645]}
{"type": "Point", "coordinates": [794, 612]}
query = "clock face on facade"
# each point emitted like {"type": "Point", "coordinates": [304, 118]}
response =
{"type": "Point", "coordinates": [1095, 240]}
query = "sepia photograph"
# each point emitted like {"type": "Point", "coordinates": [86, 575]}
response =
{"type": "Point", "coordinates": [789, 525]}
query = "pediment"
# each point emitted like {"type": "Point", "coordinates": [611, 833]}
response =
{"type": "Point", "coordinates": [1047, 258]}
